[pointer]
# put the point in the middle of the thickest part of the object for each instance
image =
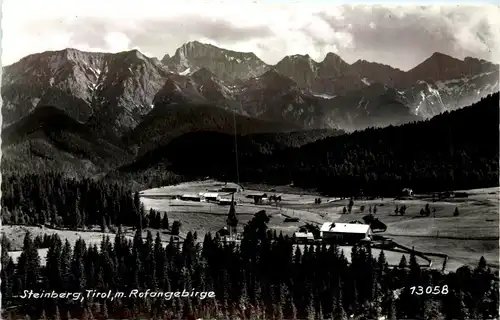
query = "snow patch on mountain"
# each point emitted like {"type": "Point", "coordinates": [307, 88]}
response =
{"type": "Point", "coordinates": [185, 72]}
{"type": "Point", "coordinates": [430, 99]}
{"type": "Point", "coordinates": [324, 96]}
{"type": "Point", "coordinates": [365, 81]}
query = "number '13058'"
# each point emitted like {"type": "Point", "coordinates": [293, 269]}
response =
{"type": "Point", "coordinates": [419, 290]}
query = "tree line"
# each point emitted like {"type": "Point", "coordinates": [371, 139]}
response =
{"type": "Point", "coordinates": [264, 277]}
{"type": "Point", "coordinates": [53, 199]}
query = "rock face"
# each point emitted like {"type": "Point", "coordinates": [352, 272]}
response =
{"type": "Point", "coordinates": [227, 65]}
{"type": "Point", "coordinates": [114, 92]}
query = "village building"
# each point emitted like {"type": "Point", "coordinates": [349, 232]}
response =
{"type": "Point", "coordinates": [210, 196]}
{"type": "Point", "coordinates": [191, 197]}
{"type": "Point", "coordinates": [256, 195]}
{"type": "Point", "coordinates": [303, 237]}
{"type": "Point", "coordinates": [224, 201]}
{"type": "Point", "coordinates": [407, 192]}
{"type": "Point", "coordinates": [223, 232]}
{"type": "Point", "coordinates": [349, 233]}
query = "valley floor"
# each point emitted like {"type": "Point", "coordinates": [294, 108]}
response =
{"type": "Point", "coordinates": [474, 233]}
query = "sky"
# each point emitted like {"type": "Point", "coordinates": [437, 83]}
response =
{"type": "Point", "coordinates": [398, 34]}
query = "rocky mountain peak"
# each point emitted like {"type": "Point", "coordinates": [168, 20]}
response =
{"type": "Point", "coordinates": [332, 59]}
{"type": "Point", "coordinates": [165, 59]}
{"type": "Point", "coordinates": [371, 72]}
{"type": "Point", "coordinates": [332, 66]}
{"type": "Point", "coordinates": [438, 66]}
{"type": "Point", "coordinates": [226, 64]}
{"type": "Point", "coordinates": [301, 68]}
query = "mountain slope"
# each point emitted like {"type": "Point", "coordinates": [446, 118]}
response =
{"type": "Point", "coordinates": [48, 139]}
{"type": "Point", "coordinates": [61, 78]}
{"type": "Point", "coordinates": [429, 155]}
{"type": "Point", "coordinates": [126, 90]}
{"type": "Point", "coordinates": [167, 121]}
{"type": "Point", "coordinates": [111, 91]}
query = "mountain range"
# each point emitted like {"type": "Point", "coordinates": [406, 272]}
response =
{"type": "Point", "coordinates": [114, 92]}
{"type": "Point", "coordinates": [139, 103]}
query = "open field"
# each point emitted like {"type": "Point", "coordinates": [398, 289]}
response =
{"type": "Point", "coordinates": [16, 233]}
{"type": "Point", "coordinates": [474, 233]}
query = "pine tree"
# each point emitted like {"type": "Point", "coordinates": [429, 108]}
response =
{"type": "Point", "coordinates": [463, 310]}
{"type": "Point", "coordinates": [43, 316]}
{"type": "Point", "coordinates": [310, 311]}
{"type": "Point", "coordinates": [402, 263]}
{"type": "Point", "coordinates": [57, 315]}
{"type": "Point", "coordinates": [415, 270]}
{"type": "Point", "coordinates": [482, 264]}
{"type": "Point", "coordinates": [29, 263]}
{"type": "Point", "coordinates": [291, 310]}
{"type": "Point", "coordinates": [431, 311]}
{"type": "Point", "coordinates": [104, 227]}
{"type": "Point", "coordinates": [176, 226]}
{"type": "Point", "coordinates": [85, 314]}
{"type": "Point", "coordinates": [320, 313]}
{"type": "Point", "coordinates": [392, 312]}
{"type": "Point", "coordinates": [427, 209]}
{"type": "Point", "coordinates": [105, 310]}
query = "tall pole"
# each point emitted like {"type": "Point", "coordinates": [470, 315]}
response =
{"type": "Point", "coordinates": [236, 149]}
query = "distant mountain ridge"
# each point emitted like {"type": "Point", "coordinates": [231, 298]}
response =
{"type": "Point", "coordinates": [113, 93]}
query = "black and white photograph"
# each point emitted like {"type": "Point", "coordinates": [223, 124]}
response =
{"type": "Point", "coordinates": [249, 160]}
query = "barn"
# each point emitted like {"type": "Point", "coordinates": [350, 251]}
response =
{"type": "Point", "coordinates": [303, 237]}
{"type": "Point", "coordinates": [210, 196]}
{"type": "Point", "coordinates": [223, 232]}
{"type": "Point", "coordinates": [191, 197]}
{"type": "Point", "coordinates": [256, 195]}
{"type": "Point", "coordinates": [225, 201]}
{"type": "Point", "coordinates": [407, 192]}
{"type": "Point", "coordinates": [345, 232]}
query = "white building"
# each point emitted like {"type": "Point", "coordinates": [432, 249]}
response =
{"type": "Point", "coordinates": [210, 196]}
{"type": "Point", "coordinates": [407, 192]}
{"type": "Point", "coordinates": [345, 232]}
{"type": "Point", "coordinates": [304, 237]}
{"type": "Point", "coordinates": [225, 201]}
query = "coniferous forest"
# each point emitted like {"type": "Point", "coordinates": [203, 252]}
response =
{"type": "Point", "coordinates": [263, 278]}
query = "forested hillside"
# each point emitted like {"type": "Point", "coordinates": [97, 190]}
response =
{"type": "Point", "coordinates": [457, 150]}
{"type": "Point", "coordinates": [50, 140]}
